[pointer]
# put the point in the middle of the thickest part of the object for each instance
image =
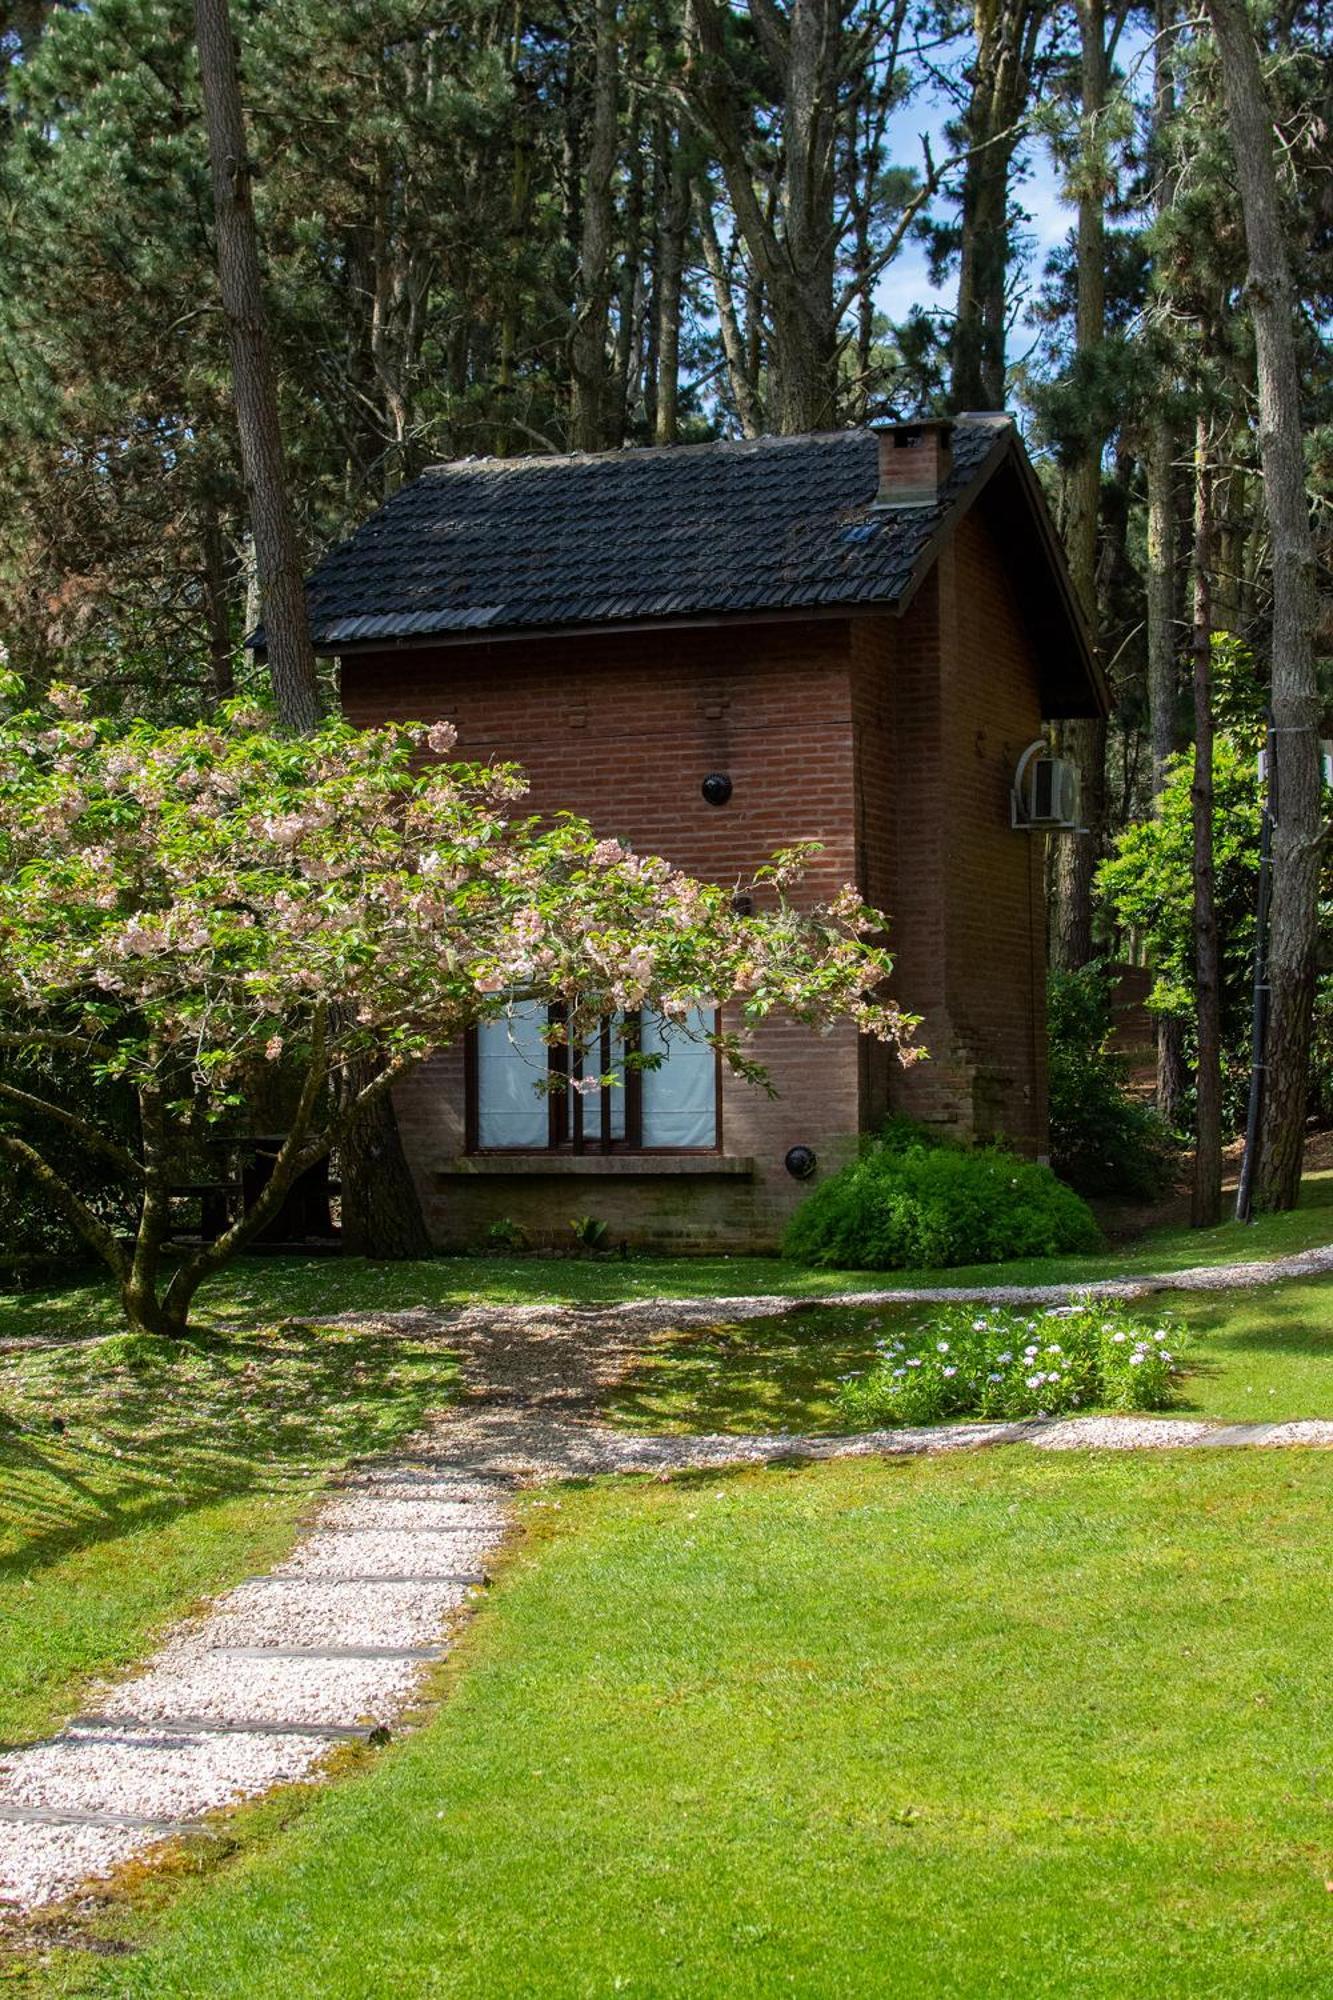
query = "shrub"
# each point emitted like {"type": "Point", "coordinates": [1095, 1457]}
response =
{"type": "Point", "coordinates": [1102, 1140]}
{"type": "Point", "coordinates": [993, 1362]}
{"type": "Point", "coordinates": [911, 1201]}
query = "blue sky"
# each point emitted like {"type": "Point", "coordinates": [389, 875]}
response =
{"type": "Point", "coordinates": [906, 282]}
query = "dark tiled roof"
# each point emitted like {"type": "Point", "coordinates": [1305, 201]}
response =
{"type": "Point", "coordinates": [491, 545]}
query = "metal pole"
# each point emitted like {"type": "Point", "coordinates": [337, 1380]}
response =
{"type": "Point", "coordinates": [1259, 1027]}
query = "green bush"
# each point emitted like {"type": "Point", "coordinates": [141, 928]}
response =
{"type": "Point", "coordinates": [993, 1362]}
{"type": "Point", "coordinates": [912, 1202]}
{"type": "Point", "coordinates": [1102, 1140]}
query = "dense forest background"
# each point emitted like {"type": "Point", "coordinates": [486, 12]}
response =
{"type": "Point", "coordinates": [495, 228]}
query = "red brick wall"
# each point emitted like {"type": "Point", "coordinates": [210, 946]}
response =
{"type": "Point", "coordinates": [945, 702]}
{"type": "Point", "coordinates": [892, 741]}
{"type": "Point", "coordinates": [623, 729]}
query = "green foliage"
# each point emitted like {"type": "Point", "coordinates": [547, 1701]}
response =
{"type": "Point", "coordinates": [506, 1234]}
{"type": "Point", "coordinates": [1149, 884]}
{"type": "Point", "coordinates": [590, 1232]}
{"type": "Point", "coordinates": [996, 1362]}
{"type": "Point", "coordinates": [914, 1202]}
{"type": "Point", "coordinates": [1103, 1142]}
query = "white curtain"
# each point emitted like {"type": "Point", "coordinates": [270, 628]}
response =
{"type": "Point", "coordinates": [594, 1065]}
{"type": "Point", "coordinates": [680, 1098]}
{"type": "Point", "coordinates": [512, 1108]}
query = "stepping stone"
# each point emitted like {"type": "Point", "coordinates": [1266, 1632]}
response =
{"type": "Point", "coordinates": [1232, 1434]}
{"type": "Point", "coordinates": [204, 1725]}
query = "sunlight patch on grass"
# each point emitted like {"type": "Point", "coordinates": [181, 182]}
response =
{"type": "Point", "coordinates": [1262, 1354]}
{"type": "Point", "coordinates": [137, 1475]}
{"type": "Point", "coordinates": [923, 1728]}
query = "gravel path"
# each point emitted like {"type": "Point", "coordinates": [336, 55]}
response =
{"type": "Point", "coordinates": [334, 1642]}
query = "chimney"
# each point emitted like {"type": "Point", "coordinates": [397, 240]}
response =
{"type": "Point", "coordinates": [915, 460]}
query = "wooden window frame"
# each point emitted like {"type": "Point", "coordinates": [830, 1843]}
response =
{"type": "Point", "coordinates": [565, 1108]}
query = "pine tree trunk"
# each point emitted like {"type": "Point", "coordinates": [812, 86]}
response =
{"type": "Point", "coordinates": [217, 603]}
{"type": "Point", "coordinates": [1206, 1202]}
{"type": "Point", "coordinates": [587, 354]}
{"type": "Point", "coordinates": [740, 374]}
{"type": "Point", "coordinates": [666, 294]}
{"type": "Point", "coordinates": [1160, 592]}
{"type": "Point", "coordinates": [1084, 742]}
{"type": "Point", "coordinates": [998, 94]}
{"type": "Point", "coordinates": [277, 555]}
{"type": "Point", "coordinates": [1298, 830]}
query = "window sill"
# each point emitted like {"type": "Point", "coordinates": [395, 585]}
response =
{"type": "Point", "coordinates": [573, 1166]}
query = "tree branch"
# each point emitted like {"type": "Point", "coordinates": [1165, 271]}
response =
{"type": "Point", "coordinates": [93, 1231]}
{"type": "Point", "coordinates": [97, 1141]}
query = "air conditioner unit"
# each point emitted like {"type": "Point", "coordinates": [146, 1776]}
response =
{"type": "Point", "coordinates": [1045, 792]}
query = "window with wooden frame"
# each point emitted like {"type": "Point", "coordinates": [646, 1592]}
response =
{"type": "Point", "coordinates": [532, 1088]}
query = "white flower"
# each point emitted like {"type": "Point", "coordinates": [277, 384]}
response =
{"type": "Point", "coordinates": [898, 1373]}
{"type": "Point", "coordinates": [1134, 1360]}
{"type": "Point", "coordinates": [941, 1347]}
{"type": "Point", "coordinates": [978, 1326]}
{"type": "Point", "coordinates": [1034, 1381]}
{"type": "Point", "coordinates": [1004, 1360]}
{"type": "Point", "coordinates": [995, 1378]}
{"type": "Point", "coordinates": [1118, 1338]}
{"type": "Point", "coordinates": [1159, 1335]}
{"type": "Point", "coordinates": [1053, 1349]}
{"type": "Point", "coordinates": [950, 1371]}
{"type": "Point", "coordinates": [914, 1361]}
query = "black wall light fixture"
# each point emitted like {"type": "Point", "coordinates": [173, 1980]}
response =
{"type": "Point", "coordinates": [800, 1163]}
{"type": "Point", "coordinates": [716, 788]}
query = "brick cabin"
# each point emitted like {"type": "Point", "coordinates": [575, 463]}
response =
{"type": "Point", "coordinates": [862, 631]}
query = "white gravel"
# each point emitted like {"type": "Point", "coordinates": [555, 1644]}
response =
{"type": "Point", "coordinates": [394, 1515]}
{"type": "Point", "coordinates": [189, 1681]}
{"type": "Point", "coordinates": [167, 1777]}
{"type": "Point", "coordinates": [294, 1612]}
{"type": "Point", "coordinates": [353, 1583]}
{"type": "Point", "coordinates": [40, 1864]}
{"type": "Point", "coordinates": [1306, 1431]}
{"type": "Point", "coordinates": [390, 1555]}
{"type": "Point", "coordinates": [1119, 1434]}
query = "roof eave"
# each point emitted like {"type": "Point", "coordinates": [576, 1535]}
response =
{"type": "Point", "coordinates": [1008, 449]}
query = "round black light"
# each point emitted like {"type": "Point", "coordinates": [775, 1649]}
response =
{"type": "Point", "coordinates": [716, 788]}
{"type": "Point", "coordinates": [800, 1163]}
{"type": "Point", "coordinates": [743, 904]}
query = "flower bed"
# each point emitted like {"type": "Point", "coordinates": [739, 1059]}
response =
{"type": "Point", "coordinates": [997, 1362]}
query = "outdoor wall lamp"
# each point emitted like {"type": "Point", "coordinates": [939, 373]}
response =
{"type": "Point", "coordinates": [800, 1163]}
{"type": "Point", "coordinates": [716, 788]}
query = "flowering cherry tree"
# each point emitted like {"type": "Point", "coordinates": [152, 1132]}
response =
{"type": "Point", "coordinates": [181, 909]}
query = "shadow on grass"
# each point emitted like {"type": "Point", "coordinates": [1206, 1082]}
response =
{"type": "Point", "coordinates": [189, 1425]}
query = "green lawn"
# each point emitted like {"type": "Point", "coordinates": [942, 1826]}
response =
{"type": "Point", "coordinates": [136, 1478]}
{"type": "Point", "coordinates": [1042, 1725]}
{"type": "Point", "coordinates": [1256, 1355]}
{"type": "Point", "coordinates": [267, 1287]}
